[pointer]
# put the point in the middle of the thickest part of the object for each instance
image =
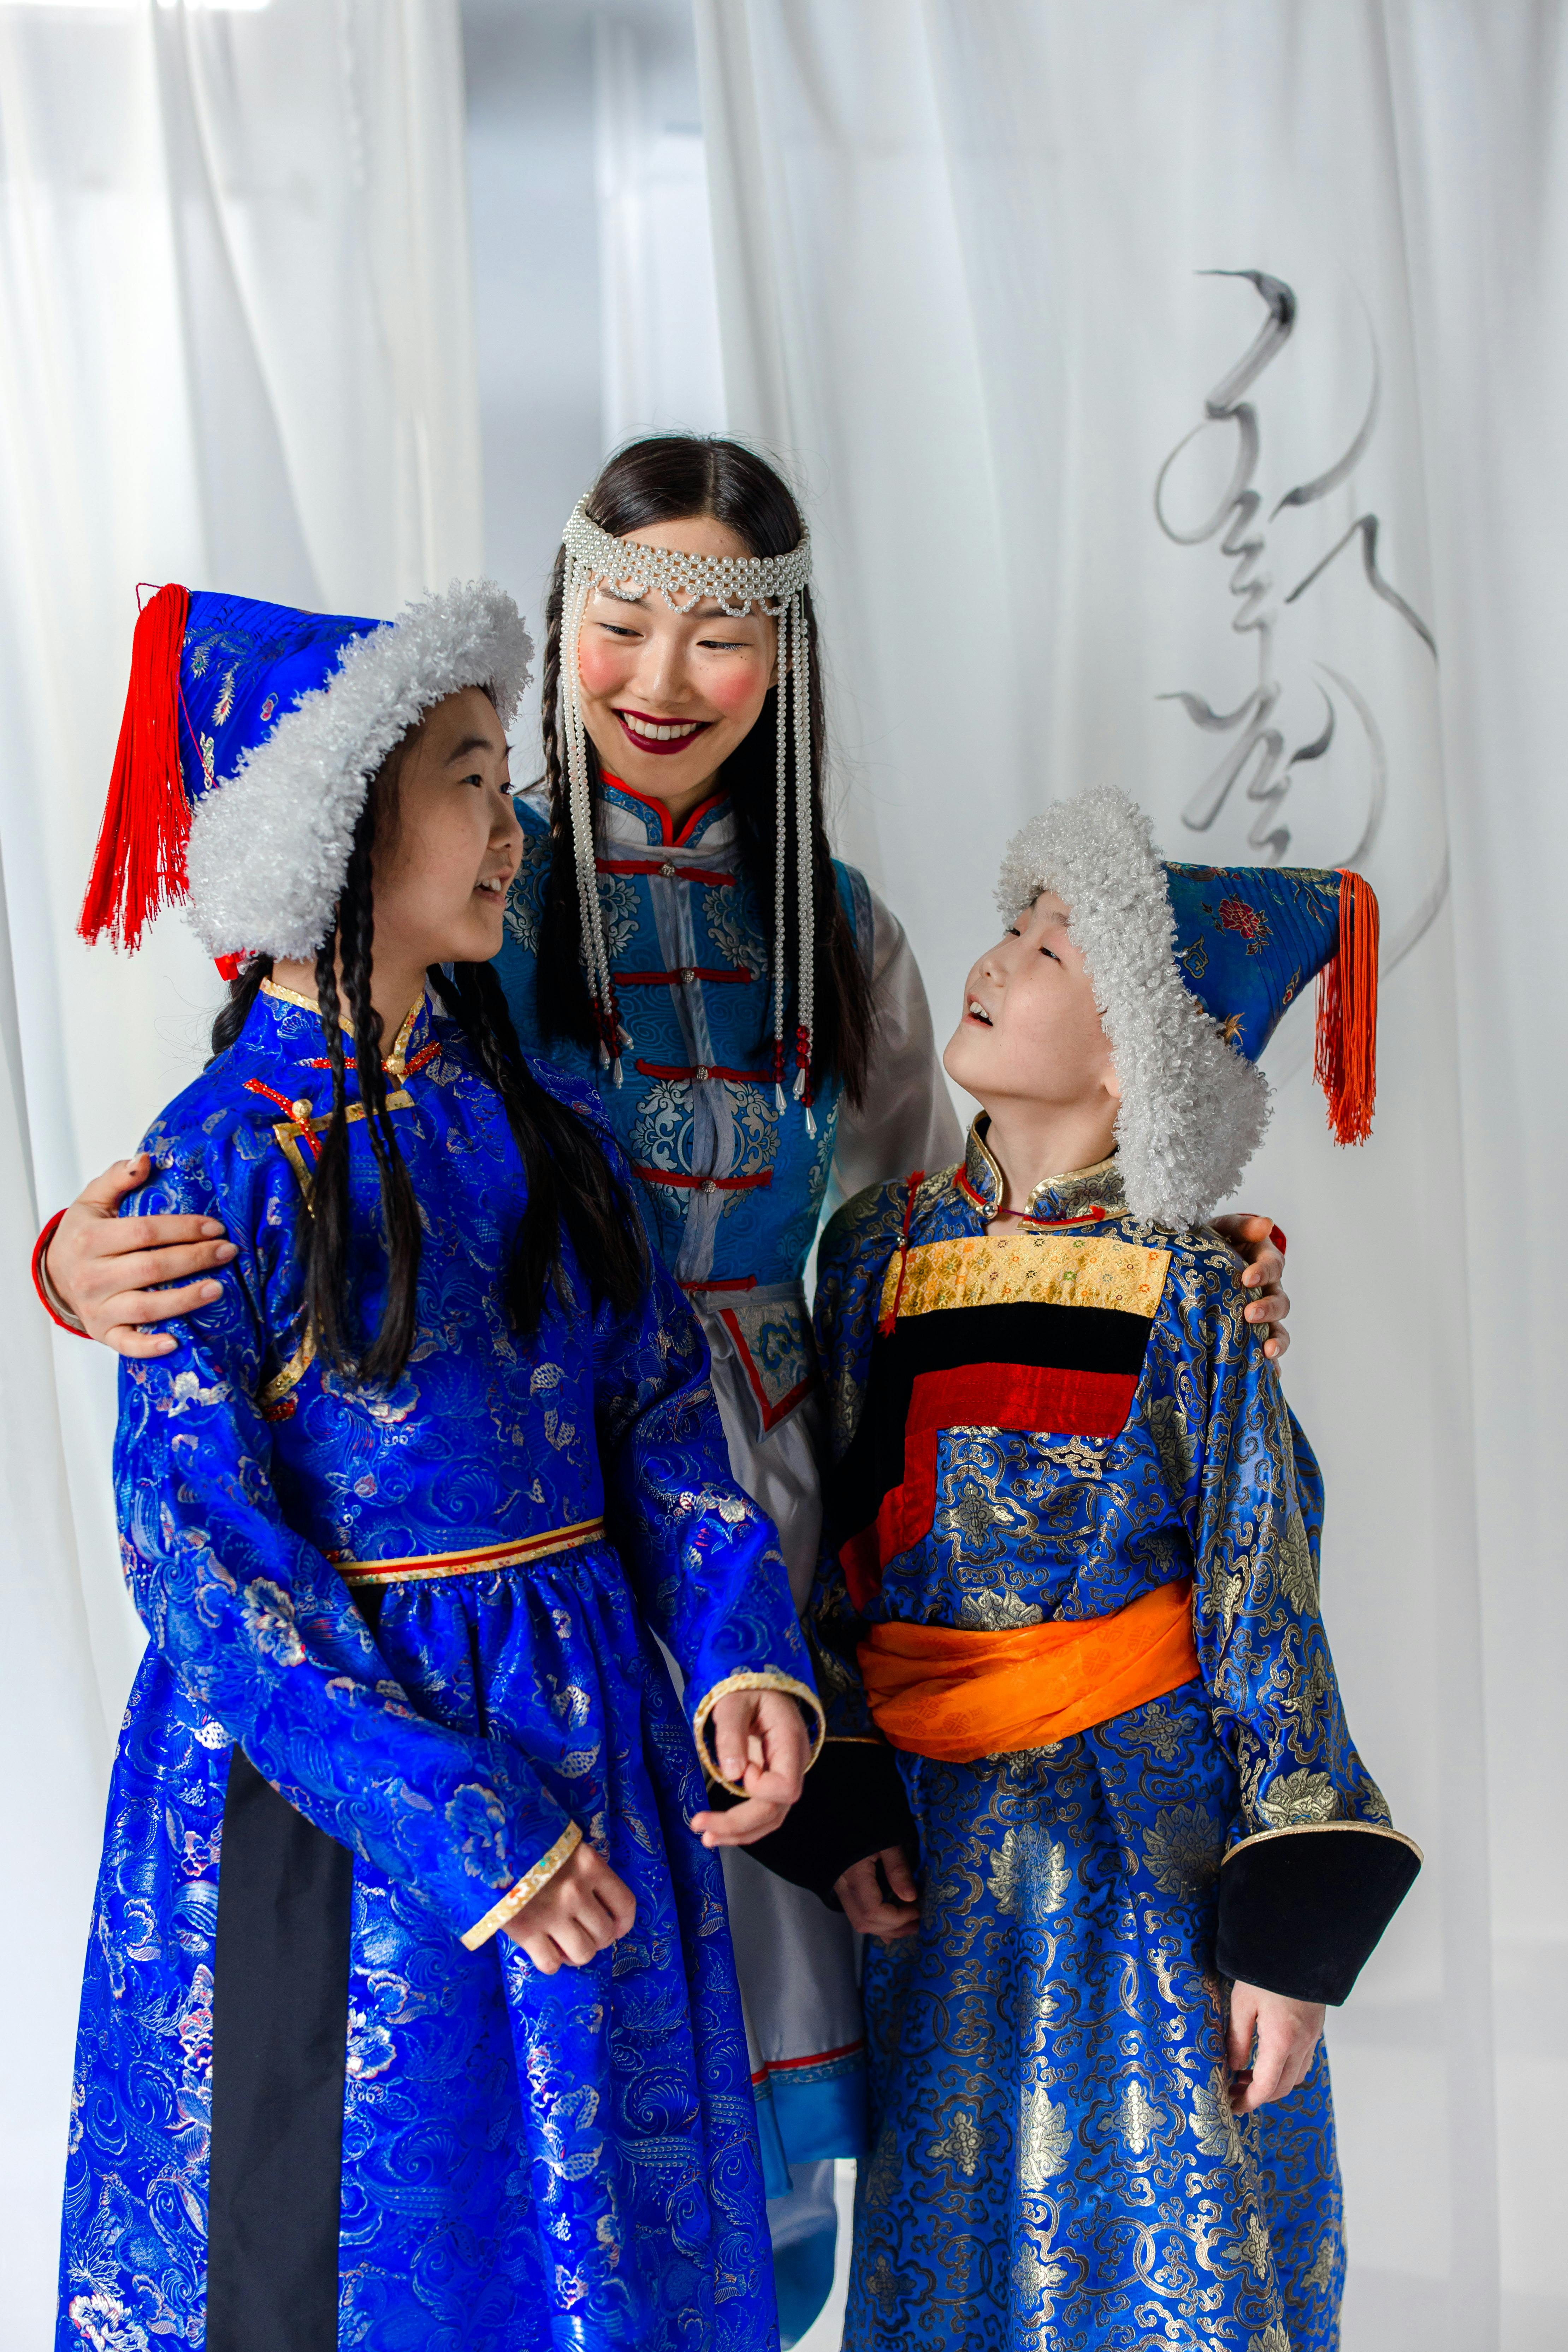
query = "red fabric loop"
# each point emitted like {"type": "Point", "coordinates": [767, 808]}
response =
{"type": "Point", "coordinates": [1277, 1238]}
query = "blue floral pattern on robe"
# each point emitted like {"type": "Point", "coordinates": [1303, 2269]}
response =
{"type": "Point", "coordinates": [527, 2160]}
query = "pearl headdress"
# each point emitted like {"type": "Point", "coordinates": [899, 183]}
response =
{"type": "Point", "coordinates": [773, 584]}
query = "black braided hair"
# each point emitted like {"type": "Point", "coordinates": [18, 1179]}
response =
{"type": "Point", "coordinates": [235, 1010]}
{"type": "Point", "coordinates": [570, 1181]}
{"type": "Point", "coordinates": [673, 478]}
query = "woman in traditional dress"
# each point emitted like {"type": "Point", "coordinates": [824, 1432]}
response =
{"type": "Point", "coordinates": [410, 2014]}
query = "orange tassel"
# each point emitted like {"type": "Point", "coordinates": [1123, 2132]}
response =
{"type": "Point", "coordinates": [1345, 1064]}
{"type": "Point", "coordinates": [140, 866]}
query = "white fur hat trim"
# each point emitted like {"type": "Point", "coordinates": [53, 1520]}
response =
{"type": "Point", "coordinates": [1193, 1108]}
{"type": "Point", "coordinates": [269, 845]}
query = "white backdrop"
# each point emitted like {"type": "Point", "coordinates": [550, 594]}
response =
{"type": "Point", "coordinates": [959, 247]}
{"type": "Point", "coordinates": [236, 350]}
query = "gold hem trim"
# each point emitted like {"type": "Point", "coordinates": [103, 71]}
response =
{"type": "Point", "coordinates": [420, 1567]}
{"type": "Point", "coordinates": [1317, 1828]}
{"type": "Point", "coordinates": [767, 1680]}
{"type": "Point", "coordinates": [527, 1887]}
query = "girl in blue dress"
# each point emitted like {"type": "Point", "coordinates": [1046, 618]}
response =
{"type": "Point", "coordinates": [410, 2015]}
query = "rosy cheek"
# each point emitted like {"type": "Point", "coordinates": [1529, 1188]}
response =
{"type": "Point", "coordinates": [736, 688]}
{"type": "Point", "coordinates": [603, 666]}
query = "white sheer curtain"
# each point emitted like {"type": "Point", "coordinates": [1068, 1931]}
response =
{"type": "Point", "coordinates": [960, 249]}
{"type": "Point", "coordinates": [236, 350]}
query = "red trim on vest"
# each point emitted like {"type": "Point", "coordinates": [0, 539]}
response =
{"type": "Point", "coordinates": [667, 832]}
{"type": "Point", "coordinates": [696, 1183]}
{"type": "Point", "coordinates": [658, 864]}
{"type": "Point", "coordinates": [683, 978]}
{"type": "Point", "coordinates": [980, 1396]}
{"type": "Point", "coordinates": [772, 1413]}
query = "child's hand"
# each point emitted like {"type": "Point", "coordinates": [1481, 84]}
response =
{"type": "Point", "coordinates": [585, 1907]}
{"type": "Point", "coordinates": [866, 1896]}
{"type": "Point", "coordinates": [761, 1745]}
{"type": "Point", "coordinates": [1286, 2032]}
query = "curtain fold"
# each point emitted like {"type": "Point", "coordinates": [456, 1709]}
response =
{"type": "Point", "coordinates": [237, 351]}
{"type": "Point", "coordinates": [1174, 392]}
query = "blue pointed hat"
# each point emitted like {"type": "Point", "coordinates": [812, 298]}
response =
{"type": "Point", "coordinates": [251, 735]}
{"type": "Point", "coordinates": [1194, 967]}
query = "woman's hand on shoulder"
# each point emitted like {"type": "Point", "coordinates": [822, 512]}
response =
{"type": "Point", "coordinates": [1269, 2045]}
{"type": "Point", "coordinates": [584, 1909]}
{"type": "Point", "coordinates": [880, 1895]}
{"type": "Point", "coordinates": [761, 1745]}
{"type": "Point", "coordinates": [107, 1270]}
{"type": "Point", "coordinates": [1261, 1246]}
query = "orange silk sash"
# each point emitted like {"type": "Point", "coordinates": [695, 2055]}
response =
{"type": "Point", "coordinates": [943, 1691]}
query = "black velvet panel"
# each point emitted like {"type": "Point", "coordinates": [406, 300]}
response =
{"type": "Point", "coordinates": [853, 1805]}
{"type": "Point", "coordinates": [1026, 1332]}
{"type": "Point", "coordinates": [279, 2033]}
{"type": "Point", "coordinates": [1301, 1912]}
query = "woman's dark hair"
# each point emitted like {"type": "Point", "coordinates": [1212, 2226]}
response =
{"type": "Point", "coordinates": [570, 1181]}
{"type": "Point", "coordinates": [672, 478]}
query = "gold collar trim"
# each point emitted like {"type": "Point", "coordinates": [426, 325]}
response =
{"type": "Point", "coordinates": [1055, 1197]}
{"type": "Point", "coordinates": [395, 1064]}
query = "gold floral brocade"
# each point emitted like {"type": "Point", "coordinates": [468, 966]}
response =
{"type": "Point", "coordinates": [1027, 1269]}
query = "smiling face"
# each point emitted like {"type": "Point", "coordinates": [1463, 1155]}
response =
{"type": "Point", "coordinates": [440, 878]}
{"type": "Point", "coordinates": [1031, 1033]}
{"type": "Point", "coordinates": [666, 696]}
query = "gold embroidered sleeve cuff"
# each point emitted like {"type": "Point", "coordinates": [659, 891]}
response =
{"type": "Point", "coordinates": [809, 1699]}
{"type": "Point", "coordinates": [527, 1887]}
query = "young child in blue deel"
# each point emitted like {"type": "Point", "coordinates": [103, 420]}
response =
{"type": "Point", "coordinates": [410, 2016]}
{"type": "Point", "coordinates": [1089, 1787]}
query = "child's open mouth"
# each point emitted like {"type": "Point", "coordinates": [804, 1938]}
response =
{"type": "Point", "coordinates": [976, 1011]}
{"type": "Point", "coordinates": [660, 735]}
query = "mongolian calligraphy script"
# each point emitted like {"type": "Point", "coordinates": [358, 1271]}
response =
{"type": "Point", "coordinates": [1257, 758]}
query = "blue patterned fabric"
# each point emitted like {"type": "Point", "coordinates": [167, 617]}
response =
{"type": "Point", "coordinates": [245, 665]}
{"type": "Point", "coordinates": [1055, 2159]}
{"type": "Point", "coordinates": [731, 1188]}
{"type": "Point", "coordinates": [1249, 938]}
{"type": "Point", "coordinates": [731, 1192]}
{"type": "Point", "coordinates": [527, 2161]}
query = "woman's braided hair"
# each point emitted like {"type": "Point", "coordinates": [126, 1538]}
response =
{"type": "Point", "coordinates": [570, 1182]}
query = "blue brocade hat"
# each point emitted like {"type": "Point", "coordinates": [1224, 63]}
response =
{"type": "Point", "coordinates": [1193, 967]}
{"type": "Point", "coordinates": [251, 735]}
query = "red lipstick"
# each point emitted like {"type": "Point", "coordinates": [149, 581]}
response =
{"type": "Point", "coordinates": [634, 721]}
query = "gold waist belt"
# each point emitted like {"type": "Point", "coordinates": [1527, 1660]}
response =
{"type": "Point", "coordinates": [423, 1565]}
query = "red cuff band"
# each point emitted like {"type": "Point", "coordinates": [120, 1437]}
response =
{"type": "Point", "coordinates": [1277, 1238]}
{"type": "Point", "coordinates": [39, 1247]}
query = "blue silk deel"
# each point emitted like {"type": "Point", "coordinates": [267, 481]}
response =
{"type": "Point", "coordinates": [1055, 2156]}
{"type": "Point", "coordinates": [527, 2161]}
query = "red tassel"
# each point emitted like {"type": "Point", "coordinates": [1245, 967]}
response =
{"type": "Point", "coordinates": [140, 861]}
{"type": "Point", "coordinates": [1345, 1064]}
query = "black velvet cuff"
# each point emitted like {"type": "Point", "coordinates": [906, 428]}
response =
{"type": "Point", "coordinates": [1301, 1910]}
{"type": "Point", "coordinates": [853, 1805]}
